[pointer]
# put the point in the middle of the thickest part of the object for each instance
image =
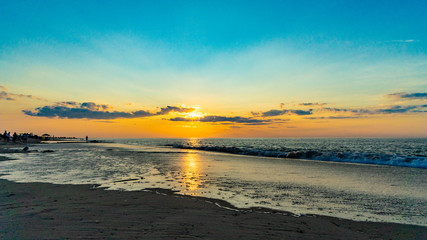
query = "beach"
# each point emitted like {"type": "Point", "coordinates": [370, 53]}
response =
{"type": "Point", "coordinates": [126, 191]}
{"type": "Point", "coordinates": [51, 211]}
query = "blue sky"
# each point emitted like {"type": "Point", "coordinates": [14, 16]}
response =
{"type": "Point", "coordinates": [214, 25]}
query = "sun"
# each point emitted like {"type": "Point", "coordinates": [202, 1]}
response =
{"type": "Point", "coordinates": [194, 115]}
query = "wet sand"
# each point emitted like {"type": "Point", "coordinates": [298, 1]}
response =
{"type": "Point", "coordinates": [49, 211]}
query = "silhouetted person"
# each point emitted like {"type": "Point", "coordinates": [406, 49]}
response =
{"type": "Point", "coordinates": [87, 138]}
{"type": "Point", "coordinates": [4, 136]}
{"type": "Point", "coordinates": [15, 137]}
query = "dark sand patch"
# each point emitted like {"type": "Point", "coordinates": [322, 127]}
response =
{"type": "Point", "coordinates": [46, 211]}
{"type": "Point", "coordinates": [4, 158]}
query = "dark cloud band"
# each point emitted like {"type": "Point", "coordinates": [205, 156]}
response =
{"type": "Point", "coordinates": [219, 119]}
{"type": "Point", "coordinates": [409, 96]}
{"type": "Point", "coordinates": [90, 110]}
{"type": "Point", "coordinates": [274, 112]}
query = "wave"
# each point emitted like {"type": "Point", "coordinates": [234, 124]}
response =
{"type": "Point", "coordinates": [419, 161]}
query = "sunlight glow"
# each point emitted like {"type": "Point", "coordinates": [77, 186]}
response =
{"type": "Point", "coordinates": [194, 115]}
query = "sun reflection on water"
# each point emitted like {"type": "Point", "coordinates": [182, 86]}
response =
{"type": "Point", "coordinates": [191, 169]}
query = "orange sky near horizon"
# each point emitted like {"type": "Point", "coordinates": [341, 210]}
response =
{"type": "Point", "coordinates": [372, 125]}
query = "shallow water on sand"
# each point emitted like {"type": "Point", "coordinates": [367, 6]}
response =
{"type": "Point", "coordinates": [348, 190]}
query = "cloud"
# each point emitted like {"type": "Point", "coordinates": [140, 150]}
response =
{"type": "Point", "coordinates": [166, 110]}
{"type": "Point", "coordinates": [13, 96]}
{"type": "Point", "coordinates": [95, 107]}
{"type": "Point", "coordinates": [345, 110]}
{"type": "Point", "coordinates": [312, 104]}
{"type": "Point", "coordinates": [388, 110]}
{"type": "Point", "coordinates": [405, 40]}
{"type": "Point", "coordinates": [65, 104]}
{"type": "Point", "coordinates": [275, 112]}
{"type": "Point", "coordinates": [333, 117]}
{"type": "Point", "coordinates": [408, 96]}
{"type": "Point", "coordinates": [4, 95]}
{"type": "Point", "coordinates": [78, 112]}
{"type": "Point", "coordinates": [302, 112]}
{"type": "Point", "coordinates": [219, 119]}
{"type": "Point", "coordinates": [86, 105]}
{"type": "Point", "coordinates": [91, 110]}
{"type": "Point", "coordinates": [399, 109]}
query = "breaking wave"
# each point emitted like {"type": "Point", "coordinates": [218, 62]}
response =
{"type": "Point", "coordinates": [419, 161]}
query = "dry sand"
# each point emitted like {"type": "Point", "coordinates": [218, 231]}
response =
{"type": "Point", "coordinates": [49, 211]}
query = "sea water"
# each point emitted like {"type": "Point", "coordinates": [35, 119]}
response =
{"type": "Point", "coordinates": [362, 179]}
{"type": "Point", "coordinates": [409, 152]}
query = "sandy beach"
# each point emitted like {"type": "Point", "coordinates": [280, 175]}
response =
{"type": "Point", "coordinates": [50, 211]}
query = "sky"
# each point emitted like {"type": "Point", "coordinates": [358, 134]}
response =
{"type": "Point", "coordinates": [214, 68]}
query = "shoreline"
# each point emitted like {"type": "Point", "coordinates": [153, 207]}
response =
{"type": "Point", "coordinates": [44, 210]}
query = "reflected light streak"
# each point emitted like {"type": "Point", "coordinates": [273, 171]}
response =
{"type": "Point", "coordinates": [191, 173]}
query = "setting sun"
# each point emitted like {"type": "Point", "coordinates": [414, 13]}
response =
{"type": "Point", "coordinates": [194, 115]}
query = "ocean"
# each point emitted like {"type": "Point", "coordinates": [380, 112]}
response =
{"type": "Point", "coordinates": [381, 151]}
{"type": "Point", "coordinates": [364, 179]}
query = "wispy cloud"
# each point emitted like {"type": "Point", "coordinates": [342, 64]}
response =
{"type": "Point", "coordinates": [275, 112]}
{"type": "Point", "coordinates": [4, 95]}
{"type": "Point", "coordinates": [13, 96]}
{"type": "Point", "coordinates": [408, 96]}
{"type": "Point", "coordinates": [364, 112]}
{"type": "Point", "coordinates": [333, 117]}
{"type": "Point", "coordinates": [344, 110]}
{"type": "Point", "coordinates": [312, 104]}
{"type": "Point", "coordinates": [400, 109]}
{"type": "Point", "coordinates": [405, 40]}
